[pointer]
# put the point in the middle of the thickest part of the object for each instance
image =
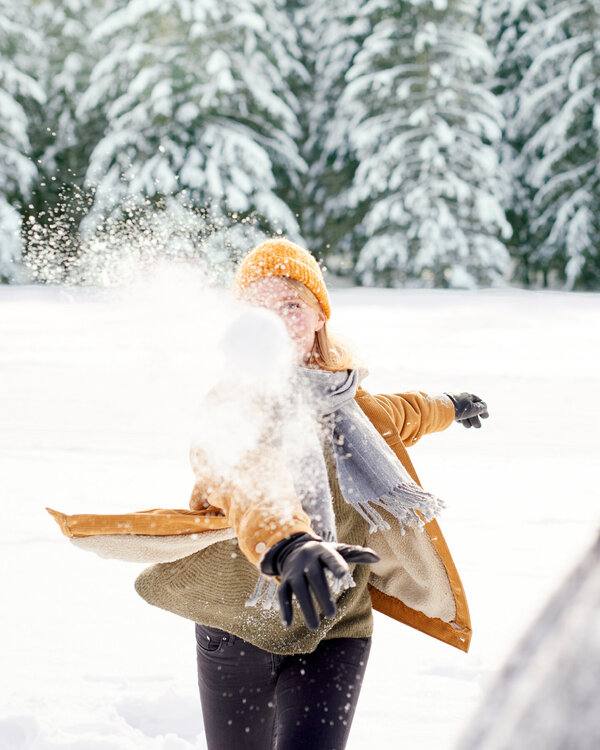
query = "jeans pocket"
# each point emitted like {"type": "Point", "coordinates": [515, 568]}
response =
{"type": "Point", "coordinates": [212, 640]}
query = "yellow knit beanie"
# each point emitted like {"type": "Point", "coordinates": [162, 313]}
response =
{"type": "Point", "coordinates": [280, 257]}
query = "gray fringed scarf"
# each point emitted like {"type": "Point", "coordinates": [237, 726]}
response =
{"type": "Point", "coordinates": [371, 477]}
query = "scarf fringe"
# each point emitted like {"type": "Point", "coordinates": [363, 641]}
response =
{"type": "Point", "coordinates": [411, 506]}
{"type": "Point", "coordinates": [265, 591]}
{"type": "Point", "coordinates": [371, 478]}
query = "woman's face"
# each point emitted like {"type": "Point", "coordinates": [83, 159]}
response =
{"type": "Point", "coordinates": [301, 320]}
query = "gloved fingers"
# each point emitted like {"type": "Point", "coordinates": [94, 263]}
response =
{"type": "Point", "coordinates": [285, 603]}
{"type": "Point", "coordinates": [320, 588]}
{"type": "Point", "coordinates": [481, 406]}
{"type": "Point", "coordinates": [469, 409]}
{"type": "Point", "coordinates": [333, 559]}
{"type": "Point", "coordinates": [353, 553]}
{"type": "Point", "coordinates": [306, 603]}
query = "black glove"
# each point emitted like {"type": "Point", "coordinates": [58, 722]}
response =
{"type": "Point", "coordinates": [300, 561]}
{"type": "Point", "coordinates": [468, 408]}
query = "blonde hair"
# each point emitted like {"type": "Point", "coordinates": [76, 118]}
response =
{"type": "Point", "coordinates": [329, 351]}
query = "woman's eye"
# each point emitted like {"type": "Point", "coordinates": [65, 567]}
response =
{"type": "Point", "coordinates": [291, 306]}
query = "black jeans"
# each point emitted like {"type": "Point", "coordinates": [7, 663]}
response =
{"type": "Point", "coordinates": [255, 700]}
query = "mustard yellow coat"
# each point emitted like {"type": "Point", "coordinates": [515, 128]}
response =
{"type": "Point", "coordinates": [402, 420]}
{"type": "Point", "coordinates": [416, 581]}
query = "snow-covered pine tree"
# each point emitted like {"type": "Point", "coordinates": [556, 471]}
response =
{"type": "Point", "coordinates": [503, 23]}
{"type": "Point", "coordinates": [422, 125]}
{"type": "Point", "coordinates": [18, 90]}
{"type": "Point", "coordinates": [62, 142]}
{"type": "Point", "coordinates": [197, 102]}
{"type": "Point", "coordinates": [552, 100]}
{"type": "Point", "coordinates": [331, 34]}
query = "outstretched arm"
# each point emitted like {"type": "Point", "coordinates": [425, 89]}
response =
{"type": "Point", "coordinates": [259, 500]}
{"type": "Point", "coordinates": [275, 534]}
{"type": "Point", "coordinates": [415, 413]}
{"type": "Point", "coordinates": [240, 472]}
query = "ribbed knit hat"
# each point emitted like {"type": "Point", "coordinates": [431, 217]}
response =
{"type": "Point", "coordinates": [280, 257]}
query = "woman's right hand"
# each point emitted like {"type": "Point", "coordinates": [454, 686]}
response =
{"type": "Point", "coordinates": [300, 561]}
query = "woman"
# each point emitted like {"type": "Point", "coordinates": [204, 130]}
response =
{"type": "Point", "coordinates": [303, 530]}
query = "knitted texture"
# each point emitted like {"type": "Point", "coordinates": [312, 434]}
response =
{"type": "Point", "coordinates": [281, 257]}
{"type": "Point", "coordinates": [212, 587]}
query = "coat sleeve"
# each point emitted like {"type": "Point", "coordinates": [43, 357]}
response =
{"type": "Point", "coordinates": [240, 473]}
{"type": "Point", "coordinates": [416, 413]}
{"type": "Point", "coordinates": [260, 502]}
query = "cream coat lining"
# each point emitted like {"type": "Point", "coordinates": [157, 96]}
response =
{"type": "Point", "coordinates": [412, 571]}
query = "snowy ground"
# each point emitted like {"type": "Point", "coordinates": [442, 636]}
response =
{"type": "Point", "coordinates": [96, 398]}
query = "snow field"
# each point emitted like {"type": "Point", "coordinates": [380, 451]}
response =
{"type": "Point", "coordinates": [96, 406]}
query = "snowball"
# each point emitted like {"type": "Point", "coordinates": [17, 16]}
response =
{"type": "Point", "coordinates": [256, 345]}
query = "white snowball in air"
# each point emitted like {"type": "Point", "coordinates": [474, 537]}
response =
{"type": "Point", "coordinates": [256, 344]}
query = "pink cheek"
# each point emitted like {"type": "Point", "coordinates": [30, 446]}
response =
{"type": "Point", "coordinates": [291, 318]}
{"type": "Point", "coordinates": [296, 331]}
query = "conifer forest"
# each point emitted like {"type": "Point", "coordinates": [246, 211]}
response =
{"type": "Point", "coordinates": [427, 143]}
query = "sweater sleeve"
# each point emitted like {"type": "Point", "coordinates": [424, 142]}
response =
{"type": "Point", "coordinates": [260, 501]}
{"type": "Point", "coordinates": [416, 413]}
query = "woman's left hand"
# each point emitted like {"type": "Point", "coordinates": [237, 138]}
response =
{"type": "Point", "coordinates": [468, 409]}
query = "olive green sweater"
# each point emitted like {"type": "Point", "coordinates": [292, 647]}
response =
{"type": "Point", "coordinates": [212, 586]}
